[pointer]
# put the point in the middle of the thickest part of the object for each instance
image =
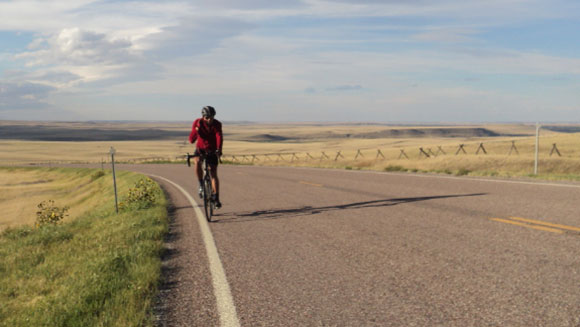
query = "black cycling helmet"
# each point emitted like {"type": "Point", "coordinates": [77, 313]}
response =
{"type": "Point", "coordinates": [208, 111]}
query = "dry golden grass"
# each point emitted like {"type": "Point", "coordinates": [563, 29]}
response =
{"type": "Point", "coordinates": [22, 189]}
{"type": "Point", "coordinates": [25, 152]}
{"type": "Point", "coordinates": [308, 141]}
{"type": "Point", "coordinates": [497, 161]}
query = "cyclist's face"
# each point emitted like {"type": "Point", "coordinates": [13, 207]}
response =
{"type": "Point", "coordinates": [208, 119]}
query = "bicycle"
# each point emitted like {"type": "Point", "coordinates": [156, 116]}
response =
{"type": "Point", "coordinates": [209, 203]}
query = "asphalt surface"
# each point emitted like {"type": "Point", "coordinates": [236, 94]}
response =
{"type": "Point", "coordinates": [312, 247]}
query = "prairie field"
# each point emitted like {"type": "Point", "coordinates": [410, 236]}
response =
{"type": "Point", "coordinates": [509, 148]}
{"type": "Point", "coordinates": [22, 189]}
{"type": "Point", "coordinates": [95, 268]}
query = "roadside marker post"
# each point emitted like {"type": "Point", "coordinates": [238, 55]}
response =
{"type": "Point", "coordinates": [112, 152]}
{"type": "Point", "coordinates": [537, 147]}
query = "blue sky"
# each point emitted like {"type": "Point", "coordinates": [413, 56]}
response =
{"type": "Point", "coordinates": [388, 61]}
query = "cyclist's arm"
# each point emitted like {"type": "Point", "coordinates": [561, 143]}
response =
{"type": "Point", "coordinates": [219, 138]}
{"type": "Point", "coordinates": [193, 134]}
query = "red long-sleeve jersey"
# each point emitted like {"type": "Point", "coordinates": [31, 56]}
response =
{"type": "Point", "coordinates": [209, 137]}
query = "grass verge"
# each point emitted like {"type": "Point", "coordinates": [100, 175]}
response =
{"type": "Point", "coordinates": [100, 269]}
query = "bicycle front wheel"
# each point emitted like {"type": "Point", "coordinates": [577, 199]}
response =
{"type": "Point", "coordinates": [207, 205]}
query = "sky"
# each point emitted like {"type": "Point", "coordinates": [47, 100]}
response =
{"type": "Point", "coordinates": [389, 61]}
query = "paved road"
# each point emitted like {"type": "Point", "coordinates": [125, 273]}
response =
{"type": "Point", "coordinates": [309, 247]}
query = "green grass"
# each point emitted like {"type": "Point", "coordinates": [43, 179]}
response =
{"type": "Point", "coordinates": [395, 168]}
{"type": "Point", "coordinates": [556, 177]}
{"type": "Point", "coordinates": [101, 269]}
{"type": "Point", "coordinates": [462, 172]}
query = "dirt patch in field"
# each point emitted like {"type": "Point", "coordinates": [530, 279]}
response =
{"type": "Point", "coordinates": [563, 129]}
{"type": "Point", "coordinates": [383, 134]}
{"type": "Point", "coordinates": [48, 133]}
{"type": "Point", "coordinates": [258, 133]}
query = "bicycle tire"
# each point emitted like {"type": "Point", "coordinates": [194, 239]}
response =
{"type": "Point", "coordinates": [207, 202]}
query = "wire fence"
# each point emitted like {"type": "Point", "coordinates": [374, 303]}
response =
{"type": "Point", "coordinates": [378, 154]}
{"type": "Point", "coordinates": [340, 155]}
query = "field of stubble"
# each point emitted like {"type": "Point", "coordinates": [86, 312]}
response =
{"type": "Point", "coordinates": [509, 148]}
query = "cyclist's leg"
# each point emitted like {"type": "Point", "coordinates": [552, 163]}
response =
{"type": "Point", "coordinates": [214, 179]}
{"type": "Point", "coordinates": [215, 182]}
{"type": "Point", "coordinates": [198, 171]}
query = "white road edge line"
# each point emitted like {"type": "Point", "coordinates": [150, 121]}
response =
{"type": "Point", "coordinates": [221, 288]}
{"type": "Point", "coordinates": [538, 183]}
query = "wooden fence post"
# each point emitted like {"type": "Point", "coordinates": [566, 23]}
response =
{"type": "Point", "coordinates": [554, 148]}
{"type": "Point", "coordinates": [403, 154]}
{"type": "Point", "coordinates": [439, 149]}
{"type": "Point", "coordinates": [480, 148]}
{"type": "Point", "coordinates": [513, 148]}
{"type": "Point", "coordinates": [421, 151]}
{"type": "Point", "coordinates": [338, 155]}
{"type": "Point", "coordinates": [379, 153]}
{"type": "Point", "coordinates": [357, 154]}
{"type": "Point", "coordinates": [460, 149]}
{"type": "Point", "coordinates": [323, 155]}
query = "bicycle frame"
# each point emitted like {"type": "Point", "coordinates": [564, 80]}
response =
{"type": "Point", "coordinates": [207, 188]}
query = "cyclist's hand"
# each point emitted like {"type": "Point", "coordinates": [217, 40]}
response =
{"type": "Point", "coordinates": [218, 153]}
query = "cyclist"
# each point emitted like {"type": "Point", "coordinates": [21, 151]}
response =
{"type": "Point", "coordinates": [208, 133]}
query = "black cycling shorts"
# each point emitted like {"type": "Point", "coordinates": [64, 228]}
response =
{"type": "Point", "coordinates": [212, 159]}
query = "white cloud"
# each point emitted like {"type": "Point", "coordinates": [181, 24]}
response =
{"type": "Point", "coordinates": [490, 11]}
{"type": "Point", "coordinates": [48, 17]}
{"type": "Point", "coordinates": [251, 4]}
{"type": "Point", "coordinates": [192, 36]}
{"type": "Point", "coordinates": [446, 35]}
{"type": "Point", "coordinates": [303, 52]}
{"type": "Point", "coordinates": [99, 59]}
{"type": "Point", "coordinates": [74, 46]}
{"type": "Point", "coordinates": [23, 95]}
{"type": "Point", "coordinates": [344, 88]}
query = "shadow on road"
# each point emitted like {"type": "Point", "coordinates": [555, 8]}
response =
{"type": "Point", "coordinates": [170, 269]}
{"type": "Point", "coordinates": [308, 210]}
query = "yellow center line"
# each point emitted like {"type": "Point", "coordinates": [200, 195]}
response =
{"type": "Point", "coordinates": [312, 184]}
{"type": "Point", "coordinates": [553, 230]}
{"type": "Point", "coordinates": [538, 222]}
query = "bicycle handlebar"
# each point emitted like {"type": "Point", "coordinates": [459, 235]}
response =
{"type": "Point", "coordinates": [202, 155]}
